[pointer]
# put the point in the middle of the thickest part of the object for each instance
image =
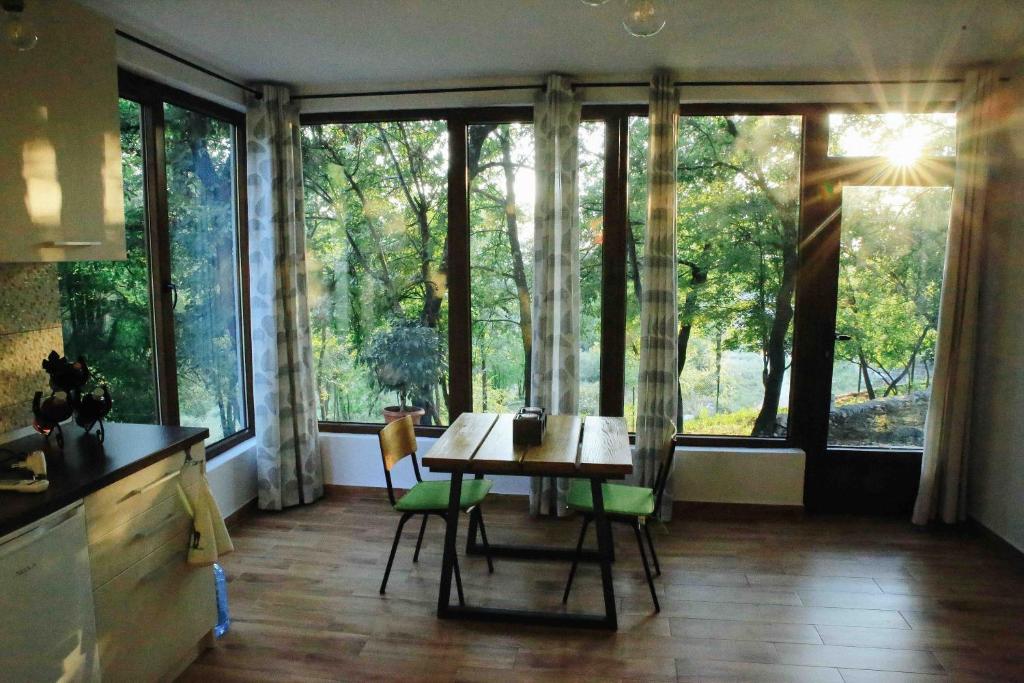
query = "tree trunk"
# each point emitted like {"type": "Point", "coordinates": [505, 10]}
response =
{"type": "Point", "coordinates": [767, 418]}
{"type": "Point", "coordinates": [864, 373]}
{"type": "Point", "coordinates": [518, 268]}
{"type": "Point", "coordinates": [634, 264]}
{"type": "Point", "coordinates": [698, 276]}
{"type": "Point", "coordinates": [718, 371]}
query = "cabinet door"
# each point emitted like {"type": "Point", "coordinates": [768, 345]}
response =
{"type": "Point", "coordinates": [153, 615]}
{"type": "Point", "coordinates": [60, 183]}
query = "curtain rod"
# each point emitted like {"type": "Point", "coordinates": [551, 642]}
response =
{"type": "Point", "coordinates": [618, 84]}
{"type": "Point", "coordinates": [188, 63]}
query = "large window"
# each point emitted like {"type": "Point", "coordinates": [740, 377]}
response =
{"type": "Point", "coordinates": [377, 241]}
{"type": "Point", "coordinates": [501, 196]}
{"type": "Point", "coordinates": [738, 186]}
{"type": "Point", "coordinates": [166, 328]}
{"type": "Point", "coordinates": [389, 218]}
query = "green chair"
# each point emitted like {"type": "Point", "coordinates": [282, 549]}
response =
{"type": "Point", "coordinates": [398, 440]}
{"type": "Point", "coordinates": [631, 505]}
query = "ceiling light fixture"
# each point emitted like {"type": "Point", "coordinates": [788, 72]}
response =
{"type": "Point", "coordinates": [643, 18]}
{"type": "Point", "coordinates": [18, 31]}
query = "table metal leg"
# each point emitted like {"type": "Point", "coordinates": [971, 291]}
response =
{"type": "Point", "coordinates": [604, 548]}
{"type": "Point", "coordinates": [448, 561]}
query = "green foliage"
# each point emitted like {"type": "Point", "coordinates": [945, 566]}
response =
{"type": "Point", "coordinates": [403, 358]}
{"type": "Point", "coordinates": [376, 239]}
{"type": "Point", "coordinates": [890, 280]}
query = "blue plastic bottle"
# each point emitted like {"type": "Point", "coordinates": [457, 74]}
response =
{"type": "Point", "coordinates": [223, 618]}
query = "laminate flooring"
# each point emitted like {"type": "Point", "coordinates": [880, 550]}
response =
{"type": "Point", "coordinates": [746, 595]}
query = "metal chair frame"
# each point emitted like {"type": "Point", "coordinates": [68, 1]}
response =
{"type": "Point", "coordinates": [390, 460]}
{"type": "Point", "coordinates": [636, 522]}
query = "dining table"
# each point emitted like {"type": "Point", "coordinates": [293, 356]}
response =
{"type": "Point", "coordinates": [477, 444]}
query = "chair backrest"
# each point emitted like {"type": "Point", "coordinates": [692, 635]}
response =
{"type": "Point", "coordinates": [661, 480]}
{"type": "Point", "coordinates": [397, 440]}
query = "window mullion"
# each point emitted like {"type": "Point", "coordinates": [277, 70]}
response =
{"type": "Point", "coordinates": [160, 260]}
{"type": "Point", "coordinates": [613, 266]}
{"type": "Point", "coordinates": [460, 333]}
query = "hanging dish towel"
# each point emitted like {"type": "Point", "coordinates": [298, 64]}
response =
{"type": "Point", "coordinates": [210, 538]}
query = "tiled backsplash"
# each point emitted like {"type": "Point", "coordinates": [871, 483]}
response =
{"type": "Point", "coordinates": [29, 329]}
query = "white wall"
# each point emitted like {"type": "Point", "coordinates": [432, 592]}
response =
{"type": "Point", "coordinates": [996, 482]}
{"type": "Point", "coordinates": [232, 476]}
{"type": "Point", "coordinates": [735, 475]}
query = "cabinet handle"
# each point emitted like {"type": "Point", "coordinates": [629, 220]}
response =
{"type": "Point", "coordinates": [142, 535]}
{"type": "Point", "coordinates": [156, 572]}
{"type": "Point", "coordinates": [73, 243]}
{"type": "Point", "coordinates": [151, 485]}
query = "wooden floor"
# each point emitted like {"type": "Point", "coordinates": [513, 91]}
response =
{"type": "Point", "coordinates": [745, 597]}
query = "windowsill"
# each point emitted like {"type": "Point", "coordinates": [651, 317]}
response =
{"type": "Point", "coordinates": [695, 440]}
{"type": "Point", "coordinates": [229, 442]}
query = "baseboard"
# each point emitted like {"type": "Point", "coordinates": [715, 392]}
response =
{"type": "Point", "coordinates": [1006, 548]}
{"type": "Point", "coordinates": [682, 509]}
{"type": "Point", "coordinates": [241, 514]}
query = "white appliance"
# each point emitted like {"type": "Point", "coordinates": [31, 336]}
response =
{"type": "Point", "coordinates": [47, 627]}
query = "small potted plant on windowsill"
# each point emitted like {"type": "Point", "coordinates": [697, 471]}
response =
{"type": "Point", "coordinates": [404, 358]}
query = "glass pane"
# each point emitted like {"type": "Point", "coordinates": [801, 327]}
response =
{"type": "Point", "coordinates": [376, 240]}
{"type": "Point", "coordinates": [591, 189]}
{"type": "Point", "coordinates": [203, 227]}
{"type": "Point", "coordinates": [500, 160]}
{"type": "Point", "coordinates": [636, 198]}
{"type": "Point", "coordinates": [902, 137]}
{"type": "Point", "coordinates": [737, 231]}
{"type": "Point", "coordinates": [105, 305]}
{"type": "Point", "coordinates": [890, 277]}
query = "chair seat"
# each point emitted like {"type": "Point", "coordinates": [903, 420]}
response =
{"type": "Point", "coordinates": [619, 499]}
{"type": "Point", "coordinates": [430, 496]}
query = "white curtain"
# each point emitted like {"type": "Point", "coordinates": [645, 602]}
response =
{"type": "Point", "coordinates": [659, 378]}
{"type": "Point", "coordinates": [555, 380]}
{"type": "Point", "coordinates": [288, 465]}
{"type": "Point", "coordinates": [947, 428]}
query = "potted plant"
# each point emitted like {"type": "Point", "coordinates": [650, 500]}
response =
{"type": "Point", "coordinates": [404, 358]}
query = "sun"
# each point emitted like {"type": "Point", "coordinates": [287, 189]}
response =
{"type": "Point", "coordinates": [906, 149]}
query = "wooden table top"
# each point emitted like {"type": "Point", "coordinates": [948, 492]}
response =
{"type": "Point", "coordinates": [482, 443]}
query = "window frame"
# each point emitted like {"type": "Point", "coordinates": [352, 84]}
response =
{"type": "Point", "coordinates": [814, 315]}
{"type": "Point", "coordinates": [151, 96]}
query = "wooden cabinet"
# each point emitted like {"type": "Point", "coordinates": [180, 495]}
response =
{"type": "Point", "coordinates": [60, 152]}
{"type": "Point", "coordinates": [154, 611]}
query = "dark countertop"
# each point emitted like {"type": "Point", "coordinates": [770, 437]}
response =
{"type": "Point", "coordinates": [85, 465]}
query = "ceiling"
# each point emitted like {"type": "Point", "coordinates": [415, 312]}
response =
{"type": "Point", "coordinates": [319, 44]}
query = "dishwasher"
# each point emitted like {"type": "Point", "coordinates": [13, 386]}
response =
{"type": "Point", "coordinates": [47, 626]}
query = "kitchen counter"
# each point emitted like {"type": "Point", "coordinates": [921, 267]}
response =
{"type": "Point", "coordinates": [85, 465]}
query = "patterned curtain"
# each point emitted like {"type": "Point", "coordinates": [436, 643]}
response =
{"type": "Point", "coordinates": [658, 381]}
{"type": "Point", "coordinates": [287, 454]}
{"type": "Point", "coordinates": [947, 427]}
{"type": "Point", "coordinates": [555, 378]}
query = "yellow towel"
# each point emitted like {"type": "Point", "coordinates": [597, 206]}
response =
{"type": "Point", "coordinates": [210, 538]}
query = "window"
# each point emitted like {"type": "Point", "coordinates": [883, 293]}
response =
{"type": "Point", "coordinates": [167, 327]}
{"type": "Point", "coordinates": [738, 184]}
{"type": "Point", "coordinates": [890, 279]}
{"type": "Point", "coordinates": [592, 200]}
{"type": "Point", "coordinates": [377, 243]}
{"type": "Point", "coordinates": [500, 159]}
{"type": "Point", "coordinates": [747, 361]}
{"type": "Point", "coordinates": [204, 256]}
{"type": "Point", "coordinates": [899, 136]}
